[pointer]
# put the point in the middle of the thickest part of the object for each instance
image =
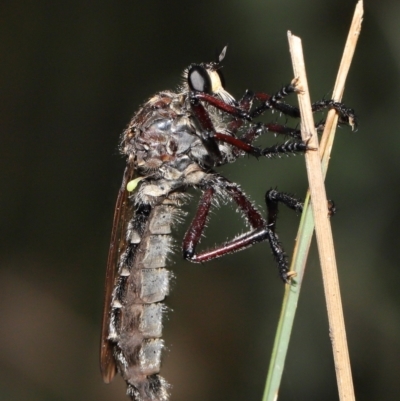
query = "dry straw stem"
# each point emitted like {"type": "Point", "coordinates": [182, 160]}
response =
{"type": "Point", "coordinates": [323, 229]}
{"type": "Point", "coordinates": [304, 237]}
{"type": "Point", "coordinates": [332, 118]}
{"type": "Point", "coordinates": [321, 219]}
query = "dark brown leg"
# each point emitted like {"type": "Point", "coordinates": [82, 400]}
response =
{"type": "Point", "coordinates": [261, 231]}
{"type": "Point", "coordinates": [287, 147]}
{"type": "Point", "coordinates": [210, 137]}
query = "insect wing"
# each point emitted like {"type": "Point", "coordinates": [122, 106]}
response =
{"type": "Point", "coordinates": [122, 214]}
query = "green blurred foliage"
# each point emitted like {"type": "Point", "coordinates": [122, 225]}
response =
{"type": "Point", "coordinates": [71, 75]}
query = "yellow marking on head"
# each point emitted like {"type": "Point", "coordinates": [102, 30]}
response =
{"type": "Point", "coordinates": [216, 84]}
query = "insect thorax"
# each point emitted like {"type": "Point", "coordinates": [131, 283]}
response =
{"type": "Point", "coordinates": [164, 137]}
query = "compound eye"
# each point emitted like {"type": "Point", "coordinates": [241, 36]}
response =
{"type": "Point", "coordinates": [199, 80]}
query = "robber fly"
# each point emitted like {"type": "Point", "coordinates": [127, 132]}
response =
{"type": "Point", "coordinates": [174, 142]}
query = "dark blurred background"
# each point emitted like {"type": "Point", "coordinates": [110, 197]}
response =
{"type": "Point", "coordinates": [72, 74]}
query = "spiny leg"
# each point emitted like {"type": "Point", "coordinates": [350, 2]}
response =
{"type": "Point", "coordinates": [256, 130]}
{"type": "Point", "coordinates": [284, 148]}
{"type": "Point", "coordinates": [210, 137]}
{"type": "Point", "coordinates": [233, 110]}
{"type": "Point", "coordinates": [261, 231]}
{"type": "Point", "coordinates": [274, 197]}
{"type": "Point", "coordinates": [346, 114]}
{"type": "Point", "coordinates": [274, 101]}
{"type": "Point", "coordinates": [241, 110]}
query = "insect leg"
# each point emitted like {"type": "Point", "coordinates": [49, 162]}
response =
{"type": "Point", "coordinates": [245, 104]}
{"type": "Point", "coordinates": [275, 102]}
{"type": "Point", "coordinates": [233, 110]}
{"type": "Point", "coordinates": [208, 130]}
{"type": "Point", "coordinates": [281, 130]}
{"type": "Point", "coordinates": [210, 137]}
{"type": "Point", "coordinates": [287, 147]}
{"type": "Point", "coordinates": [346, 114]}
{"type": "Point", "coordinates": [261, 231]}
{"type": "Point", "coordinates": [274, 197]}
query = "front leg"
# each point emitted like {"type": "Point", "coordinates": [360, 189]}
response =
{"type": "Point", "coordinates": [207, 130]}
{"type": "Point", "coordinates": [346, 114]}
{"type": "Point", "coordinates": [210, 137]}
{"type": "Point", "coordinates": [234, 110]}
{"type": "Point", "coordinates": [271, 151]}
{"type": "Point", "coordinates": [275, 101]}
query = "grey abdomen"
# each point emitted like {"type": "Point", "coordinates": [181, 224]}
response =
{"type": "Point", "coordinates": [137, 307]}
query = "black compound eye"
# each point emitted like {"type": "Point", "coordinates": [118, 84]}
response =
{"type": "Point", "coordinates": [199, 80]}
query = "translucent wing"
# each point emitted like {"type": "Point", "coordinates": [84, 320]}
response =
{"type": "Point", "coordinates": [122, 215]}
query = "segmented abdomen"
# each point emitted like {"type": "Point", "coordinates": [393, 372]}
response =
{"type": "Point", "coordinates": [137, 307]}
